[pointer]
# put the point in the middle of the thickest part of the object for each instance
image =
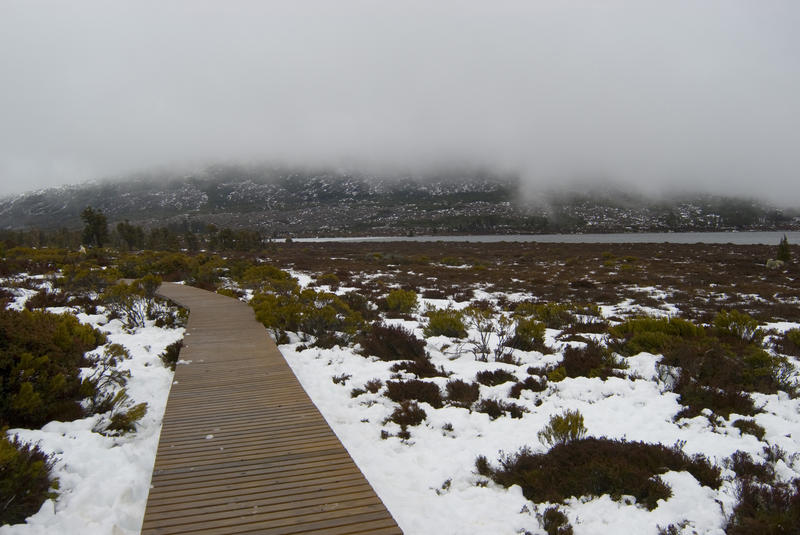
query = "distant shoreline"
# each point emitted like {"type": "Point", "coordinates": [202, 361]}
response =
{"type": "Point", "coordinates": [734, 237]}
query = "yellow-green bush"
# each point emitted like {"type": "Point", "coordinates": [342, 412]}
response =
{"type": "Point", "coordinates": [401, 301]}
{"type": "Point", "coordinates": [563, 428]}
{"type": "Point", "coordinates": [445, 322]}
{"type": "Point", "coordinates": [739, 326]}
{"type": "Point", "coordinates": [268, 278]}
{"type": "Point", "coordinates": [653, 335]}
{"type": "Point", "coordinates": [316, 313]}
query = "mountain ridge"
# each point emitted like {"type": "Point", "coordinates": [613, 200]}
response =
{"type": "Point", "coordinates": [294, 202]}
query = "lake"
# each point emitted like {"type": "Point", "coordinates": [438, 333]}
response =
{"type": "Point", "coordinates": [738, 238]}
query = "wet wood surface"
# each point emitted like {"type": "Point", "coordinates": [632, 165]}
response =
{"type": "Point", "coordinates": [243, 449]}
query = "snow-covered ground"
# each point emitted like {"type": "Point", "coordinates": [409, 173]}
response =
{"type": "Point", "coordinates": [429, 482]}
{"type": "Point", "coordinates": [104, 481]}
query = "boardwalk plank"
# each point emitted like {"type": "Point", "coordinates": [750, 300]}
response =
{"type": "Point", "coordinates": [243, 449]}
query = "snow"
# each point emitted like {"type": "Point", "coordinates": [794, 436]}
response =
{"type": "Point", "coordinates": [104, 481]}
{"type": "Point", "coordinates": [429, 482]}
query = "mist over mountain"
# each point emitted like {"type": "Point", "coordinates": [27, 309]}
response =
{"type": "Point", "coordinates": [285, 201]}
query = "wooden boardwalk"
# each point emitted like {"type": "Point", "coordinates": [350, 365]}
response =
{"type": "Point", "coordinates": [243, 449]}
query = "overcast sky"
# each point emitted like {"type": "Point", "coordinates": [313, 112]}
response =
{"type": "Point", "coordinates": [667, 95]}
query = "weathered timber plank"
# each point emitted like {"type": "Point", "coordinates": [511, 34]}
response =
{"type": "Point", "coordinates": [273, 465]}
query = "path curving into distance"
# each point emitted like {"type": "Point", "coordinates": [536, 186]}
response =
{"type": "Point", "coordinates": [242, 448]}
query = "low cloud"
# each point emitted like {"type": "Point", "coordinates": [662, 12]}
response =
{"type": "Point", "coordinates": [656, 96]}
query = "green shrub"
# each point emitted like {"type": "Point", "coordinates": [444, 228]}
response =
{"type": "Point", "coordinates": [229, 292]}
{"type": "Point", "coordinates": [316, 313]}
{"type": "Point", "coordinates": [171, 354]}
{"type": "Point", "coordinates": [597, 466]}
{"type": "Point", "coordinates": [528, 334]}
{"type": "Point", "coordinates": [462, 394]}
{"type": "Point", "coordinates": [784, 253]}
{"type": "Point", "coordinates": [789, 343]}
{"type": "Point", "coordinates": [391, 343]}
{"type": "Point", "coordinates": [26, 480]}
{"type": "Point", "coordinates": [739, 326]}
{"type": "Point", "coordinates": [123, 415]}
{"type": "Point", "coordinates": [329, 279]}
{"type": "Point", "coordinates": [401, 301]}
{"type": "Point", "coordinates": [414, 389]}
{"type": "Point", "coordinates": [268, 278]}
{"type": "Point", "coordinates": [553, 315]}
{"type": "Point", "coordinates": [652, 335]}
{"type": "Point", "coordinates": [446, 322]}
{"type": "Point", "coordinates": [40, 359]}
{"type": "Point", "coordinates": [563, 428]}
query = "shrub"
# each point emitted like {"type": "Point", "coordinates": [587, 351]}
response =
{"type": "Point", "coordinates": [40, 359]}
{"type": "Point", "coordinates": [268, 278]}
{"type": "Point", "coordinates": [652, 335]}
{"type": "Point", "coordinates": [770, 509]}
{"type": "Point", "coordinates": [421, 367]}
{"type": "Point", "coordinates": [46, 299]}
{"type": "Point", "coordinates": [408, 414]}
{"type": "Point", "coordinates": [133, 303]}
{"type": "Point", "coordinates": [739, 326]}
{"type": "Point", "coordinates": [462, 394]}
{"type": "Point", "coordinates": [314, 313]}
{"type": "Point", "coordinates": [528, 334]}
{"type": "Point", "coordinates": [534, 384]}
{"type": "Point", "coordinates": [447, 322]}
{"type": "Point", "coordinates": [592, 360]}
{"type": "Point", "coordinates": [496, 408]}
{"type": "Point", "coordinates": [26, 481]}
{"type": "Point", "coordinates": [553, 315]}
{"type": "Point", "coordinates": [391, 343]}
{"type": "Point", "coordinates": [718, 376]}
{"type": "Point", "coordinates": [373, 385]}
{"type": "Point", "coordinates": [597, 466]}
{"type": "Point", "coordinates": [494, 377]}
{"type": "Point", "coordinates": [414, 389]}
{"type": "Point", "coordinates": [171, 354]}
{"type": "Point", "coordinates": [750, 427]}
{"type": "Point", "coordinates": [401, 301]}
{"type": "Point", "coordinates": [555, 522]}
{"type": "Point", "coordinates": [742, 464]}
{"type": "Point", "coordinates": [789, 343]}
{"type": "Point", "coordinates": [784, 253]}
{"type": "Point", "coordinates": [563, 428]}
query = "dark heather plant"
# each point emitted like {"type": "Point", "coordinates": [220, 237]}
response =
{"type": "Point", "coordinates": [462, 394]}
{"type": "Point", "coordinates": [414, 389]}
{"type": "Point", "coordinates": [597, 466]}
{"type": "Point", "coordinates": [391, 343]}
